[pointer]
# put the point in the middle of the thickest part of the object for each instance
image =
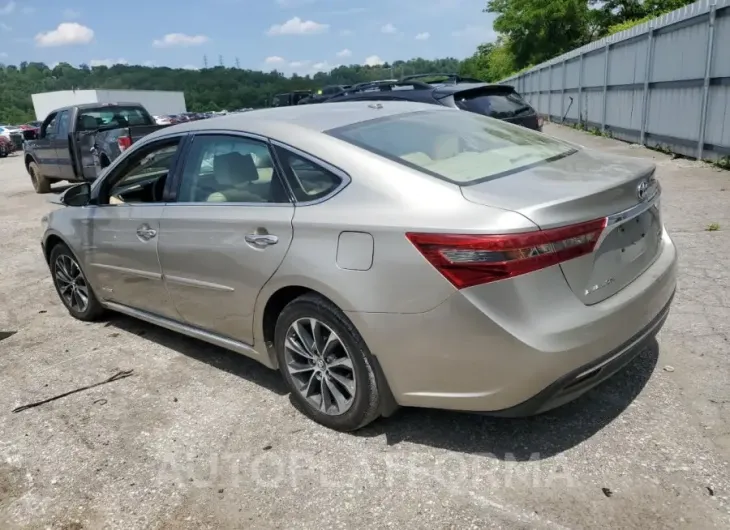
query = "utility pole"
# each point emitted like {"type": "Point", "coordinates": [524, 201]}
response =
{"type": "Point", "coordinates": [205, 61]}
{"type": "Point", "coordinates": [220, 60]}
{"type": "Point", "coordinates": [238, 63]}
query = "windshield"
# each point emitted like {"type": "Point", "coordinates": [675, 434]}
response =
{"type": "Point", "coordinates": [115, 116]}
{"type": "Point", "coordinates": [461, 147]}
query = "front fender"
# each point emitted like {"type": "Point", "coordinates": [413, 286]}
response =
{"type": "Point", "coordinates": [28, 157]}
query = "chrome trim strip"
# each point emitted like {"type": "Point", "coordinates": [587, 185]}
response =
{"type": "Point", "coordinates": [189, 282]}
{"type": "Point", "coordinates": [634, 211]}
{"type": "Point", "coordinates": [615, 220]}
{"type": "Point", "coordinates": [132, 272]}
{"type": "Point", "coordinates": [179, 327]}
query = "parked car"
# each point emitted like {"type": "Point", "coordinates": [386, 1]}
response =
{"type": "Point", "coordinates": [163, 120]}
{"type": "Point", "coordinates": [407, 254]}
{"type": "Point", "coordinates": [13, 134]}
{"type": "Point", "coordinates": [441, 79]}
{"type": "Point", "coordinates": [495, 101]}
{"type": "Point", "coordinates": [290, 98]}
{"type": "Point", "coordinates": [6, 147]}
{"type": "Point", "coordinates": [324, 94]}
{"type": "Point", "coordinates": [76, 143]}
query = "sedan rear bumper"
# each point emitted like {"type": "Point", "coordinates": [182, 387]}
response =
{"type": "Point", "coordinates": [518, 347]}
{"type": "Point", "coordinates": [581, 380]}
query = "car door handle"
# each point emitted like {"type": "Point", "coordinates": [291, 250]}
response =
{"type": "Point", "coordinates": [261, 240]}
{"type": "Point", "coordinates": [146, 233]}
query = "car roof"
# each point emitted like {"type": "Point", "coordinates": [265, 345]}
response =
{"type": "Point", "coordinates": [279, 121]}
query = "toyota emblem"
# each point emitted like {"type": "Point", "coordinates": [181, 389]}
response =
{"type": "Point", "coordinates": [642, 190]}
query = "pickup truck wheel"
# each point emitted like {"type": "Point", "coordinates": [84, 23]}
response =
{"type": "Point", "coordinates": [40, 183]}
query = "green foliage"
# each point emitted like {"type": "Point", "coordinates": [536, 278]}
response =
{"type": "Point", "coordinates": [216, 88]}
{"type": "Point", "coordinates": [491, 62]}
{"type": "Point", "coordinates": [533, 31]}
{"type": "Point", "coordinates": [713, 227]}
{"type": "Point", "coordinates": [537, 30]}
{"type": "Point", "coordinates": [621, 26]}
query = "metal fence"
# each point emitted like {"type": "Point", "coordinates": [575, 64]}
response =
{"type": "Point", "coordinates": [664, 83]}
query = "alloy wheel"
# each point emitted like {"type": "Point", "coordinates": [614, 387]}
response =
{"type": "Point", "coordinates": [71, 283]}
{"type": "Point", "coordinates": [320, 366]}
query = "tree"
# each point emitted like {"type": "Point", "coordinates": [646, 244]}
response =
{"type": "Point", "coordinates": [537, 30]}
{"type": "Point", "coordinates": [215, 88]}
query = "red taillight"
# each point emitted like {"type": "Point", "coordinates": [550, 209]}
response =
{"type": "Point", "coordinates": [124, 142]}
{"type": "Point", "coordinates": [467, 260]}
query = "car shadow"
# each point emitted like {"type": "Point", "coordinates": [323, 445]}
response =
{"type": "Point", "coordinates": [519, 439]}
{"type": "Point", "coordinates": [522, 439]}
{"type": "Point", "coordinates": [60, 188]}
{"type": "Point", "coordinates": [217, 357]}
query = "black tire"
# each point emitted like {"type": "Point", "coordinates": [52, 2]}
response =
{"type": "Point", "coordinates": [366, 401]}
{"type": "Point", "coordinates": [93, 310]}
{"type": "Point", "coordinates": [3, 151]}
{"type": "Point", "coordinates": [40, 183]}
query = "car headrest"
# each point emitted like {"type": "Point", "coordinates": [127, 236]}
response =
{"type": "Point", "coordinates": [88, 122]}
{"type": "Point", "coordinates": [263, 160]}
{"type": "Point", "coordinates": [234, 168]}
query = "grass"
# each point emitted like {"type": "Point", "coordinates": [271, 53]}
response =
{"type": "Point", "coordinates": [713, 227]}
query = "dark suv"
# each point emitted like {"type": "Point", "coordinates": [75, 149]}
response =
{"type": "Point", "coordinates": [495, 101]}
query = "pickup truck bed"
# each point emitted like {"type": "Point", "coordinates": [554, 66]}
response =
{"type": "Point", "coordinates": [77, 143]}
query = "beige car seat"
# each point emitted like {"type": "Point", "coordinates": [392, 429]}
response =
{"type": "Point", "coordinates": [233, 172]}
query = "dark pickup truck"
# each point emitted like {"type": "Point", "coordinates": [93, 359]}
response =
{"type": "Point", "coordinates": [76, 143]}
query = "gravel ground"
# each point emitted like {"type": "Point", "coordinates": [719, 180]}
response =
{"type": "Point", "coordinates": [199, 437]}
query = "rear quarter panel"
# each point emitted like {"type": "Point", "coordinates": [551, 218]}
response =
{"type": "Point", "coordinates": [386, 200]}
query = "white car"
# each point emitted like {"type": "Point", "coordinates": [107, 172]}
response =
{"type": "Point", "coordinates": [6, 131]}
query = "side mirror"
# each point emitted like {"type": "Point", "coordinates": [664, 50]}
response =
{"type": "Point", "coordinates": [30, 134]}
{"type": "Point", "coordinates": [79, 195]}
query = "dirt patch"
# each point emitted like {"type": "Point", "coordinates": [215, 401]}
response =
{"type": "Point", "coordinates": [12, 484]}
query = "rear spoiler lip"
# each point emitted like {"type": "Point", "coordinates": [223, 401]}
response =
{"type": "Point", "coordinates": [451, 90]}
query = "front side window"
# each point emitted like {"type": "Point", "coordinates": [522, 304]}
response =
{"type": "Point", "coordinates": [63, 124]}
{"type": "Point", "coordinates": [142, 178]}
{"type": "Point", "coordinates": [230, 169]}
{"type": "Point", "coordinates": [460, 147]}
{"type": "Point", "coordinates": [49, 129]}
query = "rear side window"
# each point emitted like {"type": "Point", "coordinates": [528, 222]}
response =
{"type": "Point", "coordinates": [114, 116]}
{"type": "Point", "coordinates": [309, 181]}
{"type": "Point", "coordinates": [502, 105]}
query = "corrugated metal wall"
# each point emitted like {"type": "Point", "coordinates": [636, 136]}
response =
{"type": "Point", "coordinates": [663, 83]}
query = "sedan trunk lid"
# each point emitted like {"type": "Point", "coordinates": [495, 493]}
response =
{"type": "Point", "coordinates": [583, 186]}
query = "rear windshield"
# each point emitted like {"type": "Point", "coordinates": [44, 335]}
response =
{"type": "Point", "coordinates": [461, 147]}
{"type": "Point", "coordinates": [502, 106]}
{"type": "Point", "coordinates": [115, 116]}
